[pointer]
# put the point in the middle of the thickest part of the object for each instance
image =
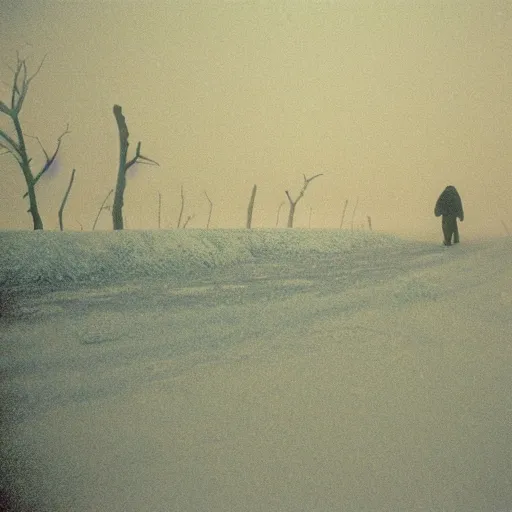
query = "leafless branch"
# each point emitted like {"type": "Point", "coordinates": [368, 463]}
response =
{"type": "Point", "coordinates": [343, 214]}
{"type": "Point", "coordinates": [211, 208]}
{"type": "Point", "coordinates": [5, 109]}
{"type": "Point", "coordinates": [307, 181]}
{"type": "Point", "coordinates": [9, 144]}
{"type": "Point", "coordinates": [312, 178]}
{"type": "Point", "coordinates": [6, 139]}
{"type": "Point", "coordinates": [293, 203]}
{"type": "Point", "coordinates": [140, 159]}
{"type": "Point", "coordinates": [20, 85]}
{"type": "Point", "coordinates": [182, 206]}
{"type": "Point", "coordinates": [65, 200]}
{"type": "Point", "coordinates": [189, 218]}
{"type": "Point", "coordinates": [38, 69]}
{"type": "Point", "coordinates": [102, 207]}
{"type": "Point", "coordinates": [51, 159]}
{"type": "Point", "coordinates": [41, 146]}
{"type": "Point", "coordinates": [25, 82]}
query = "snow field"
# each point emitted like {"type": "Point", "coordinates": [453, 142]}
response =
{"type": "Point", "coordinates": [324, 371]}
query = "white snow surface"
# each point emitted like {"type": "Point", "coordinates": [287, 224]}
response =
{"type": "Point", "coordinates": [254, 370]}
{"type": "Point", "coordinates": [55, 257]}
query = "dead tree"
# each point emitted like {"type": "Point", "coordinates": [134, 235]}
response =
{"type": "Point", "coordinates": [124, 165]}
{"type": "Point", "coordinates": [343, 214]}
{"type": "Point", "coordinates": [293, 203]}
{"type": "Point", "coordinates": [369, 222]}
{"type": "Point", "coordinates": [278, 212]}
{"type": "Point", "coordinates": [250, 208]}
{"type": "Point", "coordinates": [189, 218]}
{"type": "Point", "coordinates": [182, 206]}
{"type": "Point", "coordinates": [16, 146]}
{"type": "Point", "coordinates": [65, 199]}
{"type": "Point", "coordinates": [210, 212]}
{"type": "Point", "coordinates": [159, 209]}
{"type": "Point", "coordinates": [353, 215]}
{"type": "Point", "coordinates": [102, 207]}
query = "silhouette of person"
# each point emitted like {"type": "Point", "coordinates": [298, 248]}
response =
{"type": "Point", "coordinates": [449, 206]}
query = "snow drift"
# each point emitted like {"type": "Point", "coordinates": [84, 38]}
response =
{"type": "Point", "coordinates": [35, 257]}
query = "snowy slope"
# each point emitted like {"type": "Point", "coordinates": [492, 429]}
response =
{"type": "Point", "coordinates": [58, 257]}
{"type": "Point", "coordinates": [255, 370]}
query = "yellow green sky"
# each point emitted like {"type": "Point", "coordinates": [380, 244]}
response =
{"type": "Point", "coordinates": [391, 100]}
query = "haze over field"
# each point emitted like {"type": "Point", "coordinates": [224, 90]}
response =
{"type": "Point", "coordinates": [391, 100]}
{"type": "Point", "coordinates": [254, 370]}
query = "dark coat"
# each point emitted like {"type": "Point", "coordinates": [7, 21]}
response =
{"type": "Point", "coordinates": [449, 203]}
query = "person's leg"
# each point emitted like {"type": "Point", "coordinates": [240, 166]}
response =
{"type": "Point", "coordinates": [455, 231]}
{"type": "Point", "coordinates": [447, 233]}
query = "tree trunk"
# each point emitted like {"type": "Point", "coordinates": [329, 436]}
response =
{"type": "Point", "coordinates": [251, 207]}
{"type": "Point", "coordinates": [293, 203]}
{"type": "Point", "coordinates": [182, 206]}
{"type": "Point", "coordinates": [159, 209]}
{"type": "Point", "coordinates": [33, 209]}
{"type": "Point", "coordinates": [343, 214]}
{"type": "Point", "coordinates": [29, 178]}
{"type": "Point", "coordinates": [20, 86]}
{"type": "Point", "coordinates": [65, 199]}
{"type": "Point", "coordinates": [210, 212]}
{"type": "Point", "coordinates": [291, 214]}
{"type": "Point", "coordinates": [117, 208]}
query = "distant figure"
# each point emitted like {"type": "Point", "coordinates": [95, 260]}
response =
{"type": "Point", "coordinates": [449, 205]}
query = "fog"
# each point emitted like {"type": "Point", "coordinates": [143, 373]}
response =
{"type": "Point", "coordinates": [390, 101]}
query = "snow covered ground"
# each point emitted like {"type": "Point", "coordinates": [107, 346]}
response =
{"type": "Point", "coordinates": [262, 370]}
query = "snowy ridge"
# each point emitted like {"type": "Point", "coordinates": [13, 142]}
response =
{"type": "Point", "coordinates": [28, 257]}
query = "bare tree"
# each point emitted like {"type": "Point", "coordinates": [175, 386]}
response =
{"type": "Point", "coordinates": [102, 207]}
{"type": "Point", "coordinates": [159, 209]}
{"type": "Point", "coordinates": [65, 199]}
{"type": "Point", "coordinates": [182, 206]}
{"type": "Point", "coordinates": [278, 212]}
{"type": "Point", "coordinates": [250, 208]}
{"type": "Point", "coordinates": [16, 146]}
{"type": "Point", "coordinates": [189, 218]}
{"type": "Point", "coordinates": [369, 222]}
{"type": "Point", "coordinates": [353, 215]}
{"type": "Point", "coordinates": [210, 212]}
{"type": "Point", "coordinates": [124, 165]}
{"type": "Point", "coordinates": [293, 203]}
{"type": "Point", "coordinates": [343, 214]}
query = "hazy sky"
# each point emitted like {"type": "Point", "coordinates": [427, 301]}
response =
{"type": "Point", "coordinates": [391, 100]}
